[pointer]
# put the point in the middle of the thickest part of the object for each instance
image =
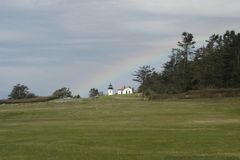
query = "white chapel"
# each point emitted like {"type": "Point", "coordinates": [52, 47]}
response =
{"type": "Point", "coordinates": [125, 90]}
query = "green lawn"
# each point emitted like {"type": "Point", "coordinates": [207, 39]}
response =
{"type": "Point", "coordinates": [121, 129]}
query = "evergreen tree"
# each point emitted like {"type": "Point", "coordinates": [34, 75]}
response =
{"type": "Point", "coordinates": [216, 65]}
{"type": "Point", "coordinates": [143, 76]}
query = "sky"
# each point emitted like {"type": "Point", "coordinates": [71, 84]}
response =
{"type": "Point", "coordinates": [83, 44]}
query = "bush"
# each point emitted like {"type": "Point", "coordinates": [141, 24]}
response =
{"type": "Point", "coordinates": [62, 93]}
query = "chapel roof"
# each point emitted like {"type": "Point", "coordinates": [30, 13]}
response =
{"type": "Point", "coordinates": [124, 87]}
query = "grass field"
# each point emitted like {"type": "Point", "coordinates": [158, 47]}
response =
{"type": "Point", "coordinates": [121, 129]}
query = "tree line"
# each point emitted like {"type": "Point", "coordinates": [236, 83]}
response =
{"type": "Point", "coordinates": [20, 91]}
{"type": "Point", "coordinates": [215, 65]}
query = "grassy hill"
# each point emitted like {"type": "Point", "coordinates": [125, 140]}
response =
{"type": "Point", "coordinates": [121, 128]}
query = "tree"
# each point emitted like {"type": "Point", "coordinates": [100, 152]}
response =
{"type": "Point", "coordinates": [143, 73]}
{"type": "Point", "coordinates": [77, 96]}
{"type": "Point", "coordinates": [142, 76]}
{"type": "Point", "coordinates": [93, 92]}
{"type": "Point", "coordinates": [20, 92]}
{"type": "Point", "coordinates": [31, 95]}
{"type": "Point", "coordinates": [216, 65]}
{"type": "Point", "coordinates": [187, 45]}
{"type": "Point", "coordinates": [62, 93]}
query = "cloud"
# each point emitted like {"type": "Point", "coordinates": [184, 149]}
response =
{"type": "Point", "coordinates": [224, 8]}
{"type": "Point", "coordinates": [11, 36]}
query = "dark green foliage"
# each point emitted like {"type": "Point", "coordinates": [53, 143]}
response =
{"type": "Point", "coordinates": [20, 92]}
{"type": "Point", "coordinates": [143, 76]}
{"type": "Point", "coordinates": [77, 96]}
{"type": "Point", "coordinates": [31, 95]}
{"type": "Point", "coordinates": [62, 93]}
{"type": "Point", "coordinates": [219, 62]}
{"type": "Point", "coordinates": [216, 65]}
{"type": "Point", "coordinates": [93, 92]}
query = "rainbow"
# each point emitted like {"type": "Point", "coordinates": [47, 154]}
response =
{"type": "Point", "coordinates": [118, 70]}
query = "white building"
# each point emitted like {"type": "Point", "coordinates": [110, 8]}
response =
{"type": "Point", "coordinates": [125, 90]}
{"type": "Point", "coordinates": [110, 90]}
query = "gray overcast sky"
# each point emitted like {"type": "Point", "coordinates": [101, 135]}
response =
{"type": "Point", "coordinates": [48, 44]}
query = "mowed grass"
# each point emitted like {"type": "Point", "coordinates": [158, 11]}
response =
{"type": "Point", "coordinates": [121, 129]}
